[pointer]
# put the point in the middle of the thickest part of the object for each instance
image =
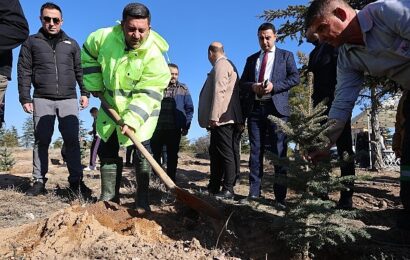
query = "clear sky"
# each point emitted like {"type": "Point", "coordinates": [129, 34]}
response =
{"type": "Point", "coordinates": [188, 26]}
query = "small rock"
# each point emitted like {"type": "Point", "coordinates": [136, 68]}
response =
{"type": "Point", "coordinates": [30, 215]}
{"type": "Point", "coordinates": [382, 204]}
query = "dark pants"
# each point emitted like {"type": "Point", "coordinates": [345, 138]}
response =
{"type": "Point", "coordinates": [347, 168]}
{"type": "Point", "coordinates": [223, 158]}
{"type": "Point", "coordinates": [405, 159]}
{"type": "Point", "coordinates": [130, 154]}
{"type": "Point", "coordinates": [343, 144]}
{"type": "Point", "coordinates": [262, 133]}
{"type": "Point", "coordinates": [170, 138]}
{"type": "Point", "coordinates": [45, 113]}
{"type": "Point", "coordinates": [236, 142]}
{"type": "Point", "coordinates": [3, 87]}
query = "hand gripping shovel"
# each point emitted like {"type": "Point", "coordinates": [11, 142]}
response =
{"type": "Point", "coordinates": [182, 195]}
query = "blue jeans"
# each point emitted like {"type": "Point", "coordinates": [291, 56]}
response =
{"type": "Point", "coordinates": [263, 135]}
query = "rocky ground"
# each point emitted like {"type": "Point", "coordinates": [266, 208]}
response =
{"type": "Point", "coordinates": [56, 226]}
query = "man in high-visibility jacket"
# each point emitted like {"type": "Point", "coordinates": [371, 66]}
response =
{"type": "Point", "coordinates": [125, 63]}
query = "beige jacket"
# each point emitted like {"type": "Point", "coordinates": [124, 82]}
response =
{"type": "Point", "coordinates": [219, 98]}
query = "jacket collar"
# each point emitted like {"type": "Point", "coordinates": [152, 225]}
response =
{"type": "Point", "coordinates": [42, 35]}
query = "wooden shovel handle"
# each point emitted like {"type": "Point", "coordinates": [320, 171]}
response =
{"type": "Point", "coordinates": [157, 168]}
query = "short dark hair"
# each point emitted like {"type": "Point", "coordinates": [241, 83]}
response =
{"type": "Point", "coordinates": [50, 5]}
{"type": "Point", "coordinates": [266, 26]}
{"type": "Point", "coordinates": [173, 65]}
{"type": "Point", "coordinates": [136, 10]}
{"type": "Point", "coordinates": [318, 8]}
{"type": "Point", "coordinates": [93, 109]}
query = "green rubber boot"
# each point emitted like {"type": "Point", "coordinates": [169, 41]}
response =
{"type": "Point", "coordinates": [118, 180]}
{"type": "Point", "coordinates": [142, 170]}
{"type": "Point", "coordinates": [108, 172]}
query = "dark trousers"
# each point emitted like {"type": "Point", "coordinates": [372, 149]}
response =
{"type": "Point", "coordinates": [170, 138]}
{"type": "Point", "coordinates": [223, 158]}
{"type": "Point", "coordinates": [262, 134]}
{"type": "Point", "coordinates": [130, 154]}
{"type": "Point", "coordinates": [405, 159]}
{"type": "Point", "coordinates": [347, 168]}
{"type": "Point", "coordinates": [109, 152]}
{"type": "Point", "coordinates": [343, 144]}
{"type": "Point", "coordinates": [236, 142]}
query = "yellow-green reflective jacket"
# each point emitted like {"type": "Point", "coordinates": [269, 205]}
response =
{"type": "Point", "coordinates": [132, 81]}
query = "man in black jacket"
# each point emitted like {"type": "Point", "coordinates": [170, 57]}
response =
{"type": "Point", "coordinates": [50, 61]}
{"type": "Point", "coordinates": [13, 31]}
{"type": "Point", "coordinates": [323, 64]}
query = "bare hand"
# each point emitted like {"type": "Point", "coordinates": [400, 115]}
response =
{"type": "Point", "coordinates": [83, 102]}
{"type": "Point", "coordinates": [28, 108]}
{"type": "Point", "coordinates": [268, 88]}
{"type": "Point", "coordinates": [258, 89]}
{"type": "Point", "coordinates": [213, 123]}
{"type": "Point", "coordinates": [125, 128]}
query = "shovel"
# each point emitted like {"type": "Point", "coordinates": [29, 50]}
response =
{"type": "Point", "coordinates": [182, 195]}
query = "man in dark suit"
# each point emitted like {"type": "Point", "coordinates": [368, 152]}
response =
{"type": "Point", "coordinates": [267, 78]}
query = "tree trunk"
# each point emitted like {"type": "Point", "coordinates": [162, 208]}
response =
{"type": "Point", "coordinates": [378, 163]}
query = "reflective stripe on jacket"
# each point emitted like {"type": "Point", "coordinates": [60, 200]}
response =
{"type": "Point", "coordinates": [132, 81]}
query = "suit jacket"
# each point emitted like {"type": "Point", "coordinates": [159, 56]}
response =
{"type": "Point", "coordinates": [284, 76]}
{"type": "Point", "coordinates": [323, 64]}
{"type": "Point", "coordinates": [219, 98]}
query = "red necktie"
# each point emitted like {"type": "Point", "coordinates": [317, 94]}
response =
{"type": "Point", "coordinates": [263, 67]}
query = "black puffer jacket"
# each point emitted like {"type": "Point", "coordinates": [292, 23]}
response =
{"type": "Point", "coordinates": [53, 72]}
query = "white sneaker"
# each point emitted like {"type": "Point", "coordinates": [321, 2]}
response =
{"type": "Point", "coordinates": [89, 168]}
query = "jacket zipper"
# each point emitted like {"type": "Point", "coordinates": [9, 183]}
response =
{"type": "Point", "coordinates": [55, 65]}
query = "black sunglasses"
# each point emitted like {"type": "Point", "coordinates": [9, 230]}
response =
{"type": "Point", "coordinates": [48, 19]}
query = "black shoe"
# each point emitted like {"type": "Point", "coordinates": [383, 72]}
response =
{"type": "Point", "coordinates": [128, 165]}
{"type": "Point", "coordinates": [80, 189]}
{"type": "Point", "coordinates": [225, 195]}
{"type": "Point", "coordinates": [206, 192]}
{"type": "Point", "coordinates": [249, 199]}
{"type": "Point", "coordinates": [280, 205]}
{"type": "Point", "coordinates": [345, 204]}
{"type": "Point", "coordinates": [38, 188]}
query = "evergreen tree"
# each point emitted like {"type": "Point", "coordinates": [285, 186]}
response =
{"type": "Point", "coordinates": [9, 137]}
{"type": "Point", "coordinates": [83, 131]}
{"type": "Point", "coordinates": [185, 145]}
{"type": "Point", "coordinates": [27, 139]}
{"type": "Point", "coordinates": [311, 223]}
{"type": "Point", "coordinates": [6, 159]}
{"type": "Point", "coordinates": [201, 146]}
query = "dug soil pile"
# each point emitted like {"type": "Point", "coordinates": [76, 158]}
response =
{"type": "Point", "coordinates": [55, 226]}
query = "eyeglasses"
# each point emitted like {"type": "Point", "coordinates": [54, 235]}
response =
{"type": "Point", "coordinates": [48, 19]}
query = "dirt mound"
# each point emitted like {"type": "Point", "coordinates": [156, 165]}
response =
{"type": "Point", "coordinates": [101, 230]}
